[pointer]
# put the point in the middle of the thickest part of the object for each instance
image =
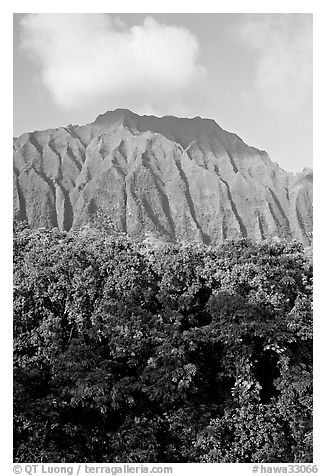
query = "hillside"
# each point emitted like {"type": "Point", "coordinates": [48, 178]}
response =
{"type": "Point", "coordinates": [176, 179]}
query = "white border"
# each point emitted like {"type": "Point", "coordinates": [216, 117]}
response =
{"type": "Point", "coordinates": [167, 6]}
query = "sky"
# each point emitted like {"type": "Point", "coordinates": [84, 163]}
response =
{"type": "Point", "coordinates": [252, 73]}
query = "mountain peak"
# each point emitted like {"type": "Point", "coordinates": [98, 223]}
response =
{"type": "Point", "coordinates": [178, 129]}
{"type": "Point", "coordinates": [117, 116]}
{"type": "Point", "coordinates": [179, 178]}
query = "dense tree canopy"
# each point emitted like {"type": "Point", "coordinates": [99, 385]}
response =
{"type": "Point", "coordinates": [152, 352]}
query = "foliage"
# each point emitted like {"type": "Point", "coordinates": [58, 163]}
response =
{"type": "Point", "coordinates": [126, 351]}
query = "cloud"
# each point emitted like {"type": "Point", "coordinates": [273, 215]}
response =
{"type": "Point", "coordinates": [93, 57]}
{"type": "Point", "coordinates": [283, 68]}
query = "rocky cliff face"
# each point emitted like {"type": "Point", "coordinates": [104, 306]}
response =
{"type": "Point", "coordinates": [177, 179]}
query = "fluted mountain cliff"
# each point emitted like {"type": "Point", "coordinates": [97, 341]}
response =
{"type": "Point", "coordinates": [177, 179]}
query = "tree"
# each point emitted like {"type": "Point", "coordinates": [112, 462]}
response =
{"type": "Point", "coordinates": [126, 351]}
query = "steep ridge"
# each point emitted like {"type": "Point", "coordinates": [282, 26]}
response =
{"type": "Point", "coordinates": [177, 179]}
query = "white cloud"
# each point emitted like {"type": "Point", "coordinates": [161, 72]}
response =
{"type": "Point", "coordinates": [85, 58]}
{"type": "Point", "coordinates": [283, 69]}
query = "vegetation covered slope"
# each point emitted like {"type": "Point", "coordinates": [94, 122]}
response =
{"type": "Point", "coordinates": [181, 179]}
{"type": "Point", "coordinates": [145, 352]}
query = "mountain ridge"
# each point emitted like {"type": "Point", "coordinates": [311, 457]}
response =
{"type": "Point", "coordinates": [175, 178]}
